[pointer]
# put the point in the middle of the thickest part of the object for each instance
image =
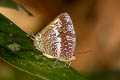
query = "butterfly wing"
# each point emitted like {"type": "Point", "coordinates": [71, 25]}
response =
{"type": "Point", "coordinates": [58, 39]}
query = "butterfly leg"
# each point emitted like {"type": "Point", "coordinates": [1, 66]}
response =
{"type": "Point", "coordinates": [33, 37]}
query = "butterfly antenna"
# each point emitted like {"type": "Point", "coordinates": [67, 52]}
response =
{"type": "Point", "coordinates": [85, 52]}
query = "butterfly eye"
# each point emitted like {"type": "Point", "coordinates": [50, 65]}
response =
{"type": "Point", "coordinates": [57, 40]}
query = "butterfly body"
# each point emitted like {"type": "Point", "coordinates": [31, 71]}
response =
{"type": "Point", "coordinates": [58, 39]}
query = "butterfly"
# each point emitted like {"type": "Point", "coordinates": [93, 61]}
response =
{"type": "Point", "coordinates": [58, 39]}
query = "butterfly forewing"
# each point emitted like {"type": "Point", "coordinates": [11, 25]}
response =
{"type": "Point", "coordinates": [57, 40]}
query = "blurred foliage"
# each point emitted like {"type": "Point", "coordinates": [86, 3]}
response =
{"type": "Point", "coordinates": [13, 5]}
{"type": "Point", "coordinates": [105, 75]}
{"type": "Point", "coordinates": [8, 4]}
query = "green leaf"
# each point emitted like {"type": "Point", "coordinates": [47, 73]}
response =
{"type": "Point", "coordinates": [17, 49]}
{"type": "Point", "coordinates": [8, 4]}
